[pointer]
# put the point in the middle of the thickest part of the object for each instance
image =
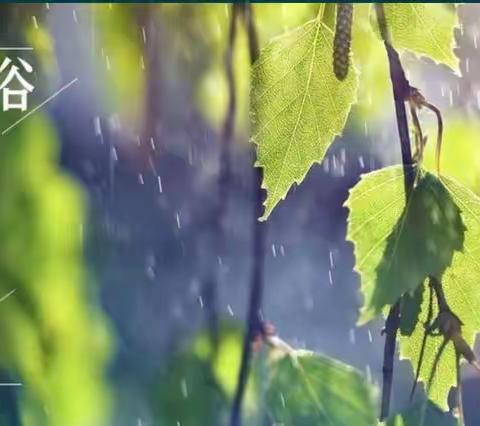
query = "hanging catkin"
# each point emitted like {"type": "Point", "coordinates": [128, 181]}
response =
{"type": "Point", "coordinates": [342, 41]}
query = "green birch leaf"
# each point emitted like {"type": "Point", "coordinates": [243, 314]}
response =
{"type": "Point", "coordinates": [462, 290]}
{"type": "Point", "coordinates": [425, 29]}
{"type": "Point", "coordinates": [309, 389]}
{"type": "Point", "coordinates": [298, 106]}
{"type": "Point", "coordinates": [397, 246]}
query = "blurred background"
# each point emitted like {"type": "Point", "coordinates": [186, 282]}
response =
{"type": "Point", "coordinates": [115, 252]}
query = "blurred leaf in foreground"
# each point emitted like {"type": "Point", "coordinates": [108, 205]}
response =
{"type": "Point", "coordinates": [307, 389]}
{"type": "Point", "coordinates": [198, 383]}
{"type": "Point", "coordinates": [54, 339]}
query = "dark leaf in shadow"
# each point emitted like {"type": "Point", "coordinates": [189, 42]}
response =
{"type": "Point", "coordinates": [430, 230]}
{"type": "Point", "coordinates": [423, 414]}
{"type": "Point", "coordinates": [410, 311]}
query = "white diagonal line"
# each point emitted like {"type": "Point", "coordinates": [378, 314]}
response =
{"type": "Point", "coordinates": [8, 295]}
{"type": "Point", "coordinates": [16, 48]}
{"type": "Point", "coordinates": [39, 106]}
{"type": "Point", "coordinates": [1, 300]}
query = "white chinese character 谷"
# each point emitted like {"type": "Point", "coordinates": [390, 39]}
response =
{"type": "Point", "coordinates": [9, 95]}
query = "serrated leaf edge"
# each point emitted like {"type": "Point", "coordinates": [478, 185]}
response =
{"type": "Point", "coordinates": [257, 164]}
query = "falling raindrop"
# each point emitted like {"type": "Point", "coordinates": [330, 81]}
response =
{"type": "Point", "coordinates": [274, 251]}
{"type": "Point", "coordinates": [160, 189]}
{"type": "Point", "coordinates": [368, 373]}
{"type": "Point", "coordinates": [184, 388]}
{"type": "Point", "coordinates": [97, 126]}
{"type": "Point", "coordinates": [326, 165]}
{"type": "Point", "coordinates": [351, 336]}
{"type": "Point", "coordinates": [361, 162]}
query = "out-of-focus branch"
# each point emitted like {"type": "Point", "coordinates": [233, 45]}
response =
{"type": "Point", "coordinates": [401, 90]}
{"type": "Point", "coordinates": [254, 319]}
{"type": "Point", "coordinates": [210, 283]}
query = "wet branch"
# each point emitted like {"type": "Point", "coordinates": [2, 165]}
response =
{"type": "Point", "coordinates": [218, 213]}
{"type": "Point", "coordinates": [401, 90]}
{"type": "Point", "coordinates": [254, 319]}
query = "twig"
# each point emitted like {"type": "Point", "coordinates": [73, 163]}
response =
{"type": "Point", "coordinates": [254, 320]}
{"type": "Point", "coordinates": [401, 88]}
{"type": "Point", "coordinates": [459, 389]}
{"type": "Point", "coordinates": [210, 285]}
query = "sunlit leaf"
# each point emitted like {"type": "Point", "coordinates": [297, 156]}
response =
{"type": "Point", "coordinates": [425, 29]}
{"type": "Point", "coordinates": [298, 106]}
{"type": "Point", "coordinates": [274, 19]}
{"type": "Point", "coordinates": [398, 245]}
{"type": "Point", "coordinates": [308, 389]}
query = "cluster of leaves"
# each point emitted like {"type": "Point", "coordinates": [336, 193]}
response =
{"type": "Point", "coordinates": [299, 106]}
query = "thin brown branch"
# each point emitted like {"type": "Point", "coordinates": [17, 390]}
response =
{"type": "Point", "coordinates": [401, 88]}
{"type": "Point", "coordinates": [254, 320]}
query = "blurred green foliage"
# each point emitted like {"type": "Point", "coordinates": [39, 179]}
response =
{"type": "Point", "coordinates": [197, 385]}
{"type": "Point", "coordinates": [54, 339]}
{"type": "Point", "coordinates": [460, 154]}
{"type": "Point", "coordinates": [206, 27]}
{"type": "Point", "coordinates": [308, 389]}
{"type": "Point", "coordinates": [119, 38]}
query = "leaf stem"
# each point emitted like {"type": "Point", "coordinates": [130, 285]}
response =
{"type": "Point", "coordinates": [401, 89]}
{"type": "Point", "coordinates": [321, 11]}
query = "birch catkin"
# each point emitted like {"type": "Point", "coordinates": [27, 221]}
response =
{"type": "Point", "coordinates": [343, 39]}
